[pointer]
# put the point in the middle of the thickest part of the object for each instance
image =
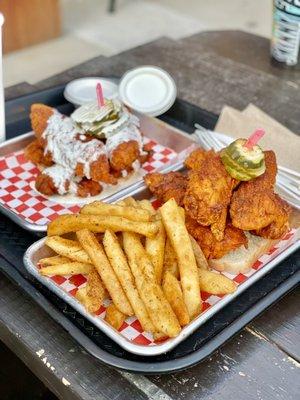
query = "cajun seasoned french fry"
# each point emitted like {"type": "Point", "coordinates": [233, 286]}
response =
{"type": "Point", "coordinates": [120, 265]}
{"type": "Point", "coordinates": [96, 253]}
{"type": "Point", "coordinates": [67, 248]}
{"type": "Point", "coordinates": [98, 223]}
{"type": "Point", "coordinates": [130, 201]}
{"type": "Point", "coordinates": [54, 260]}
{"type": "Point", "coordinates": [198, 253]}
{"type": "Point", "coordinates": [132, 255]}
{"type": "Point", "coordinates": [100, 208]}
{"type": "Point", "coordinates": [155, 246]}
{"type": "Point", "coordinates": [146, 205]}
{"type": "Point", "coordinates": [95, 291]}
{"type": "Point", "coordinates": [182, 213]}
{"type": "Point", "coordinates": [134, 249]}
{"type": "Point", "coordinates": [114, 317]}
{"type": "Point", "coordinates": [179, 237]}
{"type": "Point", "coordinates": [155, 249]}
{"type": "Point", "coordinates": [170, 260]}
{"type": "Point", "coordinates": [150, 293]}
{"type": "Point", "coordinates": [70, 268]}
{"type": "Point", "coordinates": [215, 283]}
{"type": "Point", "coordinates": [172, 290]}
{"type": "Point", "coordinates": [160, 311]}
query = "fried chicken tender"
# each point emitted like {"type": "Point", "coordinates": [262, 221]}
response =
{"type": "Point", "coordinates": [99, 171]}
{"type": "Point", "coordinates": [124, 155]}
{"type": "Point", "coordinates": [196, 158]}
{"type": "Point", "coordinates": [208, 194]}
{"type": "Point", "coordinates": [167, 186]}
{"type": "Point", "coordinates": [212, 248]}
{"type": "Point", "coordinates": [255, 206]}
{"type": "Point", "coordinates": [34, 152]}
{"type": "Point", "coordinates": [39, 115]}
{"type": "Point", "coordinates": [45, 185]}
{"type": "Point", "coordinates": [87, 187]}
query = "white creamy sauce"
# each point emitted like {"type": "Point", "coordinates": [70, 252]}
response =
{"type": "Point", "coordinates": [60, 175]}
{"type": "Point", "coordinates": [67, 150]}
{"type": "Point", "coordinates": [128, 133]}
{"type": "Point", "coordinates": [67, 145]}
{"type": "Point", "coordinates": [108, 190]}
{"type": "Point", "coordinates": [136, 165]}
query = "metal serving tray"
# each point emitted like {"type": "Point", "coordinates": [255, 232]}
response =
{"type": "Point", "coordinates": [20, 202]}
{"type": "Point", "coordinates": [126, 337]}
{"type": "Point", "coordinates": [214, 333]}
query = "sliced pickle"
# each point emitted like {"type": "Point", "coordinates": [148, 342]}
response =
{"type": "Point", "coordinates": [90, 113]}
{"type": "Point", "coordinates": [238, 175]}
{"type": "Point", "coordinates": [241, 154]}
{"type": "Point", "coordinates": [239, 170]}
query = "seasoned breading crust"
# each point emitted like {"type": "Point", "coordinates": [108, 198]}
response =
{"type": "Point", "coordinates": [211, 247]}
{"type": "Point", "coordinates": [208, 194]}
{"type": "Point", "coordinates": [255, 206]}
{"type": "Point", "coordinates": [167, 186]}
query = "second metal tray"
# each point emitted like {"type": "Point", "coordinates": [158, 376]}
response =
{"type": "Point", "coordinates": [32, 211]}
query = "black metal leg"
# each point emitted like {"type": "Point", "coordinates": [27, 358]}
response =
{"type": "Point", "coordinates": [112, 6]}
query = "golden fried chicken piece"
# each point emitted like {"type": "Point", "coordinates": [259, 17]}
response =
{"type": "Point", "coordinates": [45, 185]}
{"type": "Point", "coordinates": [212, 248]}
{"type": "Point", "coordinates": [268, 179]}
{"type": "Point", "coordinates": [99, 171]}
{"type": "Point", "coordinates": [167, 186]}
{"type": "Point", "coordinates": [39, 115]}
{"type": "Point", "coordinates": [87, 187]}
{"type": "Point", "coordinates": [124, 155]}
{"type": "Point", "coordinates": [208, 194]}
{"type": "Point", "coordinates": [280, 226]}
{"type": "Point", "coordinates": [255, 206]}
{"type": "Point", "coordinates": [196, 158]}
{"type": "Point", "coordinates": [34, 152]}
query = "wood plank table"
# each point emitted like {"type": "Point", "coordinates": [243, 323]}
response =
{"type": "Point", "coordinates": [262, 362]}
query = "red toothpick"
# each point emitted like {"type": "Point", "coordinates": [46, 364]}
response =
{"type": "Point", "coordinates": [254, 138]}
{"type": "Point", "coordinates": [100, 98]}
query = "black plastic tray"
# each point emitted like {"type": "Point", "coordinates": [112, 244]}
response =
{"type": "Point", "coordinates": [225, 324]}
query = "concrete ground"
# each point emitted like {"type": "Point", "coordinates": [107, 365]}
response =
{"type": "Point", "coordinates": [89, 30]}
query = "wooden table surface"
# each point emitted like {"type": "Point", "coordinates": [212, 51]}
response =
{"type": "Point", "coordinates": [262, 362]}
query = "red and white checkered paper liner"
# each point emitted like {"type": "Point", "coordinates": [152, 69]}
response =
{"type": "Point", "coordinates": [131, 328]}
{"type": "Point", "coordinates": [16, 193]}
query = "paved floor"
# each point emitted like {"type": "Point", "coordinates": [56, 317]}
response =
{"type": "Point", "coordinates": [90, 31]}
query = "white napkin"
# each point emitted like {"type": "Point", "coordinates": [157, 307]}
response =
{"type": "Point", "coordinates": [285, 143]}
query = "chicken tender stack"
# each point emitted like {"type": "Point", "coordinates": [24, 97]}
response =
{"type": "Point", "coordinates": [220, 208]}
{"type": "Point", "coordinates": [74, 158]}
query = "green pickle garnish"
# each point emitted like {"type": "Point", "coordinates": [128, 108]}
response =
{"type": "Point", "coordinates": [242, 163]}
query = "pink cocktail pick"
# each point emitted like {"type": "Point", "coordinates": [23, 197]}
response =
{"type": "Point", "coordinates": [254, 138]}
{"type": "Point", "coordinates": [100, 98]}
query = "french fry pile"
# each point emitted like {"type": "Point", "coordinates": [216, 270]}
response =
{"type": "Point", "coordinates": [143, 260]}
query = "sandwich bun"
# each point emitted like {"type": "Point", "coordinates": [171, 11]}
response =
{"type": "Point", "coordinates": [241, 260]}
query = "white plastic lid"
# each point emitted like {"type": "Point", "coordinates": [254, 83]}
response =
{"type": "Point", "coordinates": [82, 91]}
{"type": "Point", "coordinates": [148, 89]}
